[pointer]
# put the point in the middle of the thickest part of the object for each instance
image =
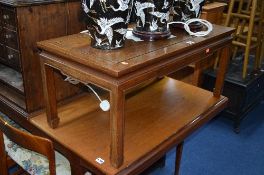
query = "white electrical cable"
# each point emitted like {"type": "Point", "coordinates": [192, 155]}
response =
{"type": "Point", "coordinates": [104, 104]}
{"type": "Point", "coordinates": [188, 22]}
{"type": "Point", "coordinates": [94, 92]}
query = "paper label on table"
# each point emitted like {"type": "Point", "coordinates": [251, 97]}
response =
{"type": "Point", "coordinates": [99, 160]}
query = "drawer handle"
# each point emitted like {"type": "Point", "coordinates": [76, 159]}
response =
{"type": "Point", "coordinates": [10, 56]}
{"type": "Point", "coordinates": [8, 36]}
{"type": "Point", "coordinates": [6, 17]}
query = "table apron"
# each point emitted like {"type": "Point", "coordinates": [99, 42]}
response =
{"type": "Point", "coordinates": [125, 82]}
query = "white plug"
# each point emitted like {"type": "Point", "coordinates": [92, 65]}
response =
{"type": "Point", "coordinates": [105, 105]}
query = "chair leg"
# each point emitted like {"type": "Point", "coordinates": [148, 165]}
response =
{"type": "Point", "coordinates": [230, 8]}
{"type": "Point", "coordinates": [239, 9]}
{"type": "Point", "coordinates": [262, 50]}
{"type": "Point", "coordinates": [3, 166]}
{"type": "Point", "coordinates": [250, 32]}
{"type": "Point", "coordinates": [260, 37]}
{"type": "Point", "coordinates": [235, 50]}
{"type": "Point", "coordinates": [3, 157]}
{"type": "Point", "coordinates": [238, 26]}
{"type": "Point", "coordinates": [179, 149]}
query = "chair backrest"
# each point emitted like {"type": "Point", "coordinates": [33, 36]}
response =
{"type": "Point", "coordinates": [28, 141]}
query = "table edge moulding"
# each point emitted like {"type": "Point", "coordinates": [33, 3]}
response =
{"type": "Point", "coordinates": [73, 56]}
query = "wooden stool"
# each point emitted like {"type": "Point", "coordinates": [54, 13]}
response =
{"type": "Point", "coordinates": [248, 15]}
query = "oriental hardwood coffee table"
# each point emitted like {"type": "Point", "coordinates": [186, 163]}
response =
{"type": "Point", "coordinates": [144, 124]}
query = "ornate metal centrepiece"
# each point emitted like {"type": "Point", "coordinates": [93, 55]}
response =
{"type": "Point", "coordinates": [183, 10]}
{"type": "Point", "coordinates": [107, 22]}
{"type": "Point", "coordinates": [152, 19]}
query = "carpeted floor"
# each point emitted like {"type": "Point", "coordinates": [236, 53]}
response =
{"type": "Point", "coordinates": [216, 150]}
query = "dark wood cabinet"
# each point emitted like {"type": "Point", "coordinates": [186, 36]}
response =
{"type": "Point", "coordinates": [243, 94]}
{"type": "Point", "coordinates": [22, 24]}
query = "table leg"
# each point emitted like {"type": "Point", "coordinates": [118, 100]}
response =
{"type": "Point", "coordinates": [179, 149]}
{"type": "Point", "coordinates": [50, 95]}
{"type": "Point", "coordinates": [117, 100]}
{"type": "Point", "coordinates": [76, 168]}
{"type": "Point", "coordinates": [224, 60]}
{"type": "Point", "coordinates": [204, 64]}
{"type": "Point", "coordinates": [196, 81]}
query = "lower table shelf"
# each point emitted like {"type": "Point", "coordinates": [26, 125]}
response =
{"type": "Point", "coordinates": [157, 117]}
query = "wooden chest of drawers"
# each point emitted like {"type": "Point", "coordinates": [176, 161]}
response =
{"type": "Point", "coordinates": [22, 24]}
{"type": "Point", "coordinates": [243, 94]}
{"type": "Point", "coordinates": [9, 38]}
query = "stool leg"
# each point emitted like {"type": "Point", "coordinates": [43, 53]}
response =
{"type": "Point", "coordinates": [250, 32]}
{"type": "Point", "coordinates": [260, 37]}
{"type": "Point", "coordinates": [179, 149]}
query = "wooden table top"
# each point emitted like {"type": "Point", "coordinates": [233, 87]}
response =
{"type": "Point", "coordinates": [156, 117]}
{"type": "Point", "coordinates": [133, 56]}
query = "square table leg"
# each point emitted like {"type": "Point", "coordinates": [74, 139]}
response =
{"type": "Point", "coordinates": [117, 101]}
{"type": "Point", "coordinates": [179, 149]}
{"type": "Point", "coordinates": [50, 95]}
{"type": "Point", "coordinates": [223, 63]}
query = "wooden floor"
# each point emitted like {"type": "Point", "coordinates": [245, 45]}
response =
{"type": "Point", "coordinates": [153, 116]}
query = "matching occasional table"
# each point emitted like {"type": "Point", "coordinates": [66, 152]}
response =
{"type": "Point", "coordinates": [149, 114]}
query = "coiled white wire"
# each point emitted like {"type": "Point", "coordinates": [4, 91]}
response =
{"type": "Point", "coordinates": [188, 22]}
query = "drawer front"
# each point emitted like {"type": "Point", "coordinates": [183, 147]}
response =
{"type": "Point", "coordinates": [1, 35]}
{"type": "Point", "coordinates": [255, 92]}
{"type": "Point", "coordinates": [2, 52]}
{"type": "Point", "coordinates": [1, 21]}
{"type": "Point", "coordinates": [10, 38]}
{"type": "Point", "coordinates": [12, 58]}
{"type": "Point", "coordinates": [8, 18]}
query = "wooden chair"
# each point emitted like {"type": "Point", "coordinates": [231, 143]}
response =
{"type": "Point", "coordinates": [248, 15]}
{"type": "Point", "coordinates": [34, 154]}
